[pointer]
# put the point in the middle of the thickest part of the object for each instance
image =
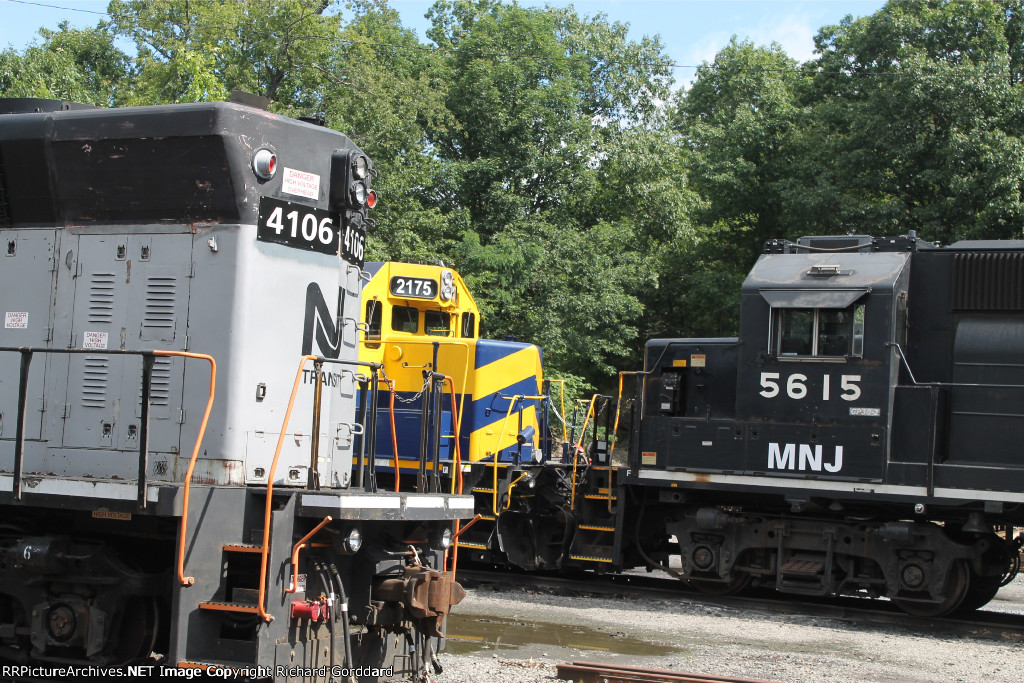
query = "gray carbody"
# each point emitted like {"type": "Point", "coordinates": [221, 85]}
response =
{"type": "Point", "coordinates": [90, 271]}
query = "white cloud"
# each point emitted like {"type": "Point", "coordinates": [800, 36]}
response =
{"type": "Point", "coordinates": [794, 33]}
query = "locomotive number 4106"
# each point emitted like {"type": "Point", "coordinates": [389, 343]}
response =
{"type": "Point", "coordinates": [796, 386]}
{"type": "Point", "coordinates": [308, 228]}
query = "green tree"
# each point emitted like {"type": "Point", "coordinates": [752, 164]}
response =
{"type": "Point", "coordinates": [190, 51]}
{"type": "Point", "coordinates": [81, 65]}
{"type": "Point", "coordinates": [918, 120]}
{"type": "Point", "coordinates": [740, 122]}
{"type": "Point", "coordinates": [739, 119]}
{"type": "Point", "coordinates": [540, 103]}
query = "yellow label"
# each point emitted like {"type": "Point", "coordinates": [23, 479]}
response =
{"type": "Point", "coordinates": [697, 360]}
{"type": "Point", "coordinates": [679, 363]}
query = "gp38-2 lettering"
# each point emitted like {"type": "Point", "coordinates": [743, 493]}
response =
{"type": "Point", "coordinates": [796, 386]}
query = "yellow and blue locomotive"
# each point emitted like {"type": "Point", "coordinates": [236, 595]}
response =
{"type": "Point", "coordinates": [421, 323]}
{"type": "Point", "coordinates": [476, 418]}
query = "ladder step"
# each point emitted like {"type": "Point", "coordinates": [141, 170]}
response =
{"type": "Point", "coordinates": [242, 548]}
{"type": "Point", "coordinates": [589, 527]}
{"type": "Point", "coordinates": [599, 496]}
{"type": "Point", "coordinates": [483, 490]}
{"type": "Point", "coordinates": [186, 664]}
{"type": "Point", "coordinates": [802, 567]}
{"type": "Point", "coordinates": [230, 607]}
{"type": "Point", "coordinates": [485, 518]}
{"type": "Point", "coordinates": [473, 546]}
{"type": "Point", "coordinates": [589, 558]}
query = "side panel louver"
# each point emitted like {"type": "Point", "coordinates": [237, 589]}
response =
{"type": "Point", "coordinates": [988, 281]}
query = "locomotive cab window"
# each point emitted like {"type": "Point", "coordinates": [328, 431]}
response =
{"type": "Point", "coordinates": [374, 310]}
{"type": "Point", "coordinates": [819, 332]}
{"type": "Point", "coordinates": [437, 323]}
{"type": "Point", "coordinates": [468, 325]}
{"type": "Point", "coordinates": [405, 319]}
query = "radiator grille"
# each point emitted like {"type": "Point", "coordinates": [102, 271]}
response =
{"type": "Point", "coordinates": [989, 281]}
{"type": "Point", "coordinates": [835, 242]}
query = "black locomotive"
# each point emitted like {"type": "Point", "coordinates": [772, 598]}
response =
{"type": "Point", "coordinates": [860, 436]}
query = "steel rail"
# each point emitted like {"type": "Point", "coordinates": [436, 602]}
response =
{"type": "Point", "coordinates": [593, 672]}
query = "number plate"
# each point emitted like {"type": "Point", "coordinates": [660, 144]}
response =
{"type": "Point", "coordinates": [298, 226]}
{"type": "Point", "coordinates": [309, 229]}
{"type": "Point", "coordinates": [414, 287]}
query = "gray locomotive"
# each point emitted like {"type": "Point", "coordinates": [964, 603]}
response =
{"type": "Point", "coordinates": [861, 436]}
{"type": "Point", "coordinates": [179, 419]}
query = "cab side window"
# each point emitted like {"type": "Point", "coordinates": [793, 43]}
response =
{"type": "Point", "coordinates": [468, 325]}
{"type": "Point", "coordinates": [405, 319]}
{"type": "Point", "coordinates": [437, 323]}
{"type": "Point", "coordinates": [820, 332]}
{"type": "Point", "coordinates": [374, 310]}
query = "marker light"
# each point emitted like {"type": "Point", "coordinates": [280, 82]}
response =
{"type": "Point", "coordinates": [371, 199]}
{"type": "Point", "coordinates": [264, 164]}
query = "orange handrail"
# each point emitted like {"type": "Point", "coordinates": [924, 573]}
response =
{"type": "Point", "coordinates": [270, 491]}
{"type": "Point", "coordinates": [182, 579]}
{"type": "Point", "coordinates": [295, 553]}
{"type": "Point", "coordinates": [577, 447]}
{"type": "Point", "coordinates": [615, 433]}
{"type": "Point", "coordinates": [455, 423]}
{"type": "Point", "coordinates": [457, 474]}
{"type": "Point", "coordinates": [394, 433]}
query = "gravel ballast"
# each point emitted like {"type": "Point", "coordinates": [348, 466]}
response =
{"type": "Point", "coordinates": [708, 639]}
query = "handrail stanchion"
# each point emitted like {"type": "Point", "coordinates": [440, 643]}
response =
{"type": "Point", "coordinates": [371, 445]}
{"type": "Point", "coordinates": [313, 477]}
{"type": "Point", "coordinates": [148, 360]}
{"type": "Point", "coordinates": [19, 444]}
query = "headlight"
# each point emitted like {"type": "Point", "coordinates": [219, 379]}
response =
{"type": "Point", "coordinates": [349, 543]}
{"type": "Point", "coordinates": [447, 285]}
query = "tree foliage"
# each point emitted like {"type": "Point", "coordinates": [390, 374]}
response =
{"type": "Point", "coordinates": [545, 154]}
{"type": "Point", "coordinates": [918, 109]}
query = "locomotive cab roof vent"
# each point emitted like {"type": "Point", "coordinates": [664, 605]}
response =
{"type": "Point", "coordinates": [824, 269]}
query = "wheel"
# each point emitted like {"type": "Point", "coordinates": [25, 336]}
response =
{"type": "Point", "coordinates": [137, 630]}
{"type": "Point", "coordinates": [1012, 569]}
{"type": "Point", "coordinates": [981, 590]}
{"type": "Point", "coordinates": [957, 586]}
{"type": "Point", "coordinates": [737, 584]}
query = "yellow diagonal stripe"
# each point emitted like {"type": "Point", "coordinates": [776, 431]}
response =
{"type": "Point", "coordinates": [497, 376]}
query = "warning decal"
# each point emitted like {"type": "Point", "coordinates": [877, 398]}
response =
{"type": "Point", "coordinates": [301, 183]}
{"type": "Point", "coordinates": [94, 340]}
{"type": "Point", "coordinates": [16, 320]}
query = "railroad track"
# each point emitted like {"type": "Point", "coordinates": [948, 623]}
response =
{"type": "Point", "coordinates": [591, 672]}
{"type": "Point", "coordinates": [865, 611]}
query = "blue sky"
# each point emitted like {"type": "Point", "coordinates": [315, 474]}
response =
{"type": "Point", "coordinates": [691, 30]}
